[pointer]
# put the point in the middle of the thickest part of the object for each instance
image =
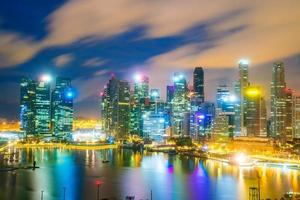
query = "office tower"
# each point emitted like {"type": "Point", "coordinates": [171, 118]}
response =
{"type": "Point", "coordinates": [296, 116]}
{"type": "Point", "coordinates": [255, 112]}
{"type": "Point", "coordinates": [138, 104]}
{"type": "Point", "coordinates": [226, 106]}
{"type": "Point", "coordinates": [27, 106]}
{"type": "Point", "coordinates": [104, 106]}
{"type": "Point", "coordinates": [278, 102]}
{"type": "Point", "coordinates": [289, 114]}
{"type": "Point", "coordinates": [62, 107]}
{"type": "Point", "coordinates": [243, 83]}
{"type": "Point", "coordinates": [180, 104]}
{"type": "Point", "coordinates": [42, 105]}
{"type": "Point", "coordinates": [220, 124]}
{"type": "Point", "coordinates": [154, 126]}
{"type": "Point", "coordinates": [237, 110]}
{"type": "Point", "coordinates": [170, 93]}
{"type": "Point", "coordinates": [198, 84]}
{"type": "Point", "coordinates": [115, 107]}
{"type": "Point", "coordinates": [123, 108]}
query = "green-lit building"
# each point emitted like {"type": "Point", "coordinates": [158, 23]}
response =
{"type": "Point", "coordinates": [139, 102]}
{"type": "Point", "coordinates": [62, 107]}
{"type": "Point", "coordinates": [42, 107]}
{"type": "Point", "coordinates": [180, 105]}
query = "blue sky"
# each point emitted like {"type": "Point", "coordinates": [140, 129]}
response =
{"type": "Point", "coordinates": [88, 40]}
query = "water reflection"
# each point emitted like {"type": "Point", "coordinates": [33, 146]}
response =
{"type": "Point", "coordinates": [134, 173]}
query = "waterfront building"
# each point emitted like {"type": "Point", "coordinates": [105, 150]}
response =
{"type": "Point", "coordinates": [27, 106]}
{"type": "Point", "coordinates": [139, 103]}
{"type": "Point", "coordinates": [43, 106]}
{"type": "Point", "coordinates": [180, 104]}
{"type": "Point", "coordinates": [226, 104]}
{"type": "Point", "coordinates": [278, 102]}
{"type": "Point", "coordinates": [289, 114]}
{"type": "Point", "coordinates": [242, 84]}
{"type": "Point", "coordinates": [255, 112]}
{"type": "Point", "coordinates": [154, 126]}
{"type": "Point", "coordinates": [220, 124]}
{"type": "Point", "coordinates": [115, 107]}
{"type": "Point", "coordinates": [296, 116]}
{"type": "Point", "coordinates": [62, 107]}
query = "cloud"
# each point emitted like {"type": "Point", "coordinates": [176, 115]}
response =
{"type": "Point", "coordinates": [271, 28]}
{"type": "Point", "coordinates": [63, 60]}
{"type": "Point", "coordinates": [94, 62]}
{"type": "Point", "coordinates": [16, 49]}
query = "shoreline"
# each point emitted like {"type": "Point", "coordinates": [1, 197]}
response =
{"type": "Point", "coordinates": [67, 146]}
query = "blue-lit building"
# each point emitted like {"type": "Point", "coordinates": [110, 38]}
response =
{"type": "Point", "coordinates": [226, 103]}
{"type": "Point", "coordinates": [27, 106]}
{"type": "Point", "coordinates": [154, 126]}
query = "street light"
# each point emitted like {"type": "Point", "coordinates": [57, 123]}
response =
{"type": "Point", "coordinates": [98, 183]}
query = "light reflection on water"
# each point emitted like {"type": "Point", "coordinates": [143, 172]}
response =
{"type": "Point", "coordinates": [129, 173]}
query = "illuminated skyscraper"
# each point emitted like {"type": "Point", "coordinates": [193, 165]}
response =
{"type": "Point", "coordinates": [180, 104]}
{"type": "Point", "coordinates": [296, 116]}
{"type": "Point", "coordinates": [243, 82]}
{"type": "Point", "coordinates": [198, 84]}
{"type": "Point", "coordinates": [43, 105]}
{"type": "Point", "coordinates": [154, 126]}
{"type": "Point", "coordinates": [255, 112]}
{"type": "Point", "coordinates": [226, 106]}
{"type": "Point", "coordinates": [278, 102]}
{"type": "Point", "coordinates": [140, 95]}
{"type": "Point", "coordinates": [62, 107]}
{"type": "Point", "coordinates": [123, 108]}
{"type": "Point", "coordinates": [27, 106]}
{"type": "Point", "coordinates": [115, 107]}
{"type": "Point", "coordinates": [289, 114]}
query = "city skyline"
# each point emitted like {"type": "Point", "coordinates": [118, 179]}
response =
{"type": "Point", "coordinates": [215, 40]}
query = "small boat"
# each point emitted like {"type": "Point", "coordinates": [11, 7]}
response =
{"type": "Point", "coordinates": [129, 197]}
{"type": "Point", "coordinates": [105, 161]}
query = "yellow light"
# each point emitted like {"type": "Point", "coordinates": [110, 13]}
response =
{"type": "Point", "coordinates": [252, 92]}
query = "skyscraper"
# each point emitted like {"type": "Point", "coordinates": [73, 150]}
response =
{"type": "Point", "coordinates": [180, 104]}
{"type": "Point", "coordinates": [27, 106]}
{"type": "Point", "coordinates": [138, 103]}
{"type": "Point", "coordinates": [226, 106]}
{"type": "Point", "coordinates": [43, 105]}
{"type": "Point", "coordinates": [123, 108]}
{"type": "Point", "coordinates": [198, 84]}
{"type": "Point", "coordinates": [255, 112]}
{"type": "Point", "coordinates": [278, 101]}
{"type": "Point", "coordinates": [296, 116]}
{"type": "Point", "coordinates": [289, 114]}
{"type": "Point", "coordinates": [62, 107]}
{"type": "Point", "coordinates": [243, 82]}
{"type": "Point", "coordinates": [115, 107]}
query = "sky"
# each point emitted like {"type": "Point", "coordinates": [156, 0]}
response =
{"type": "Point", "coordinates": [88, 40]}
